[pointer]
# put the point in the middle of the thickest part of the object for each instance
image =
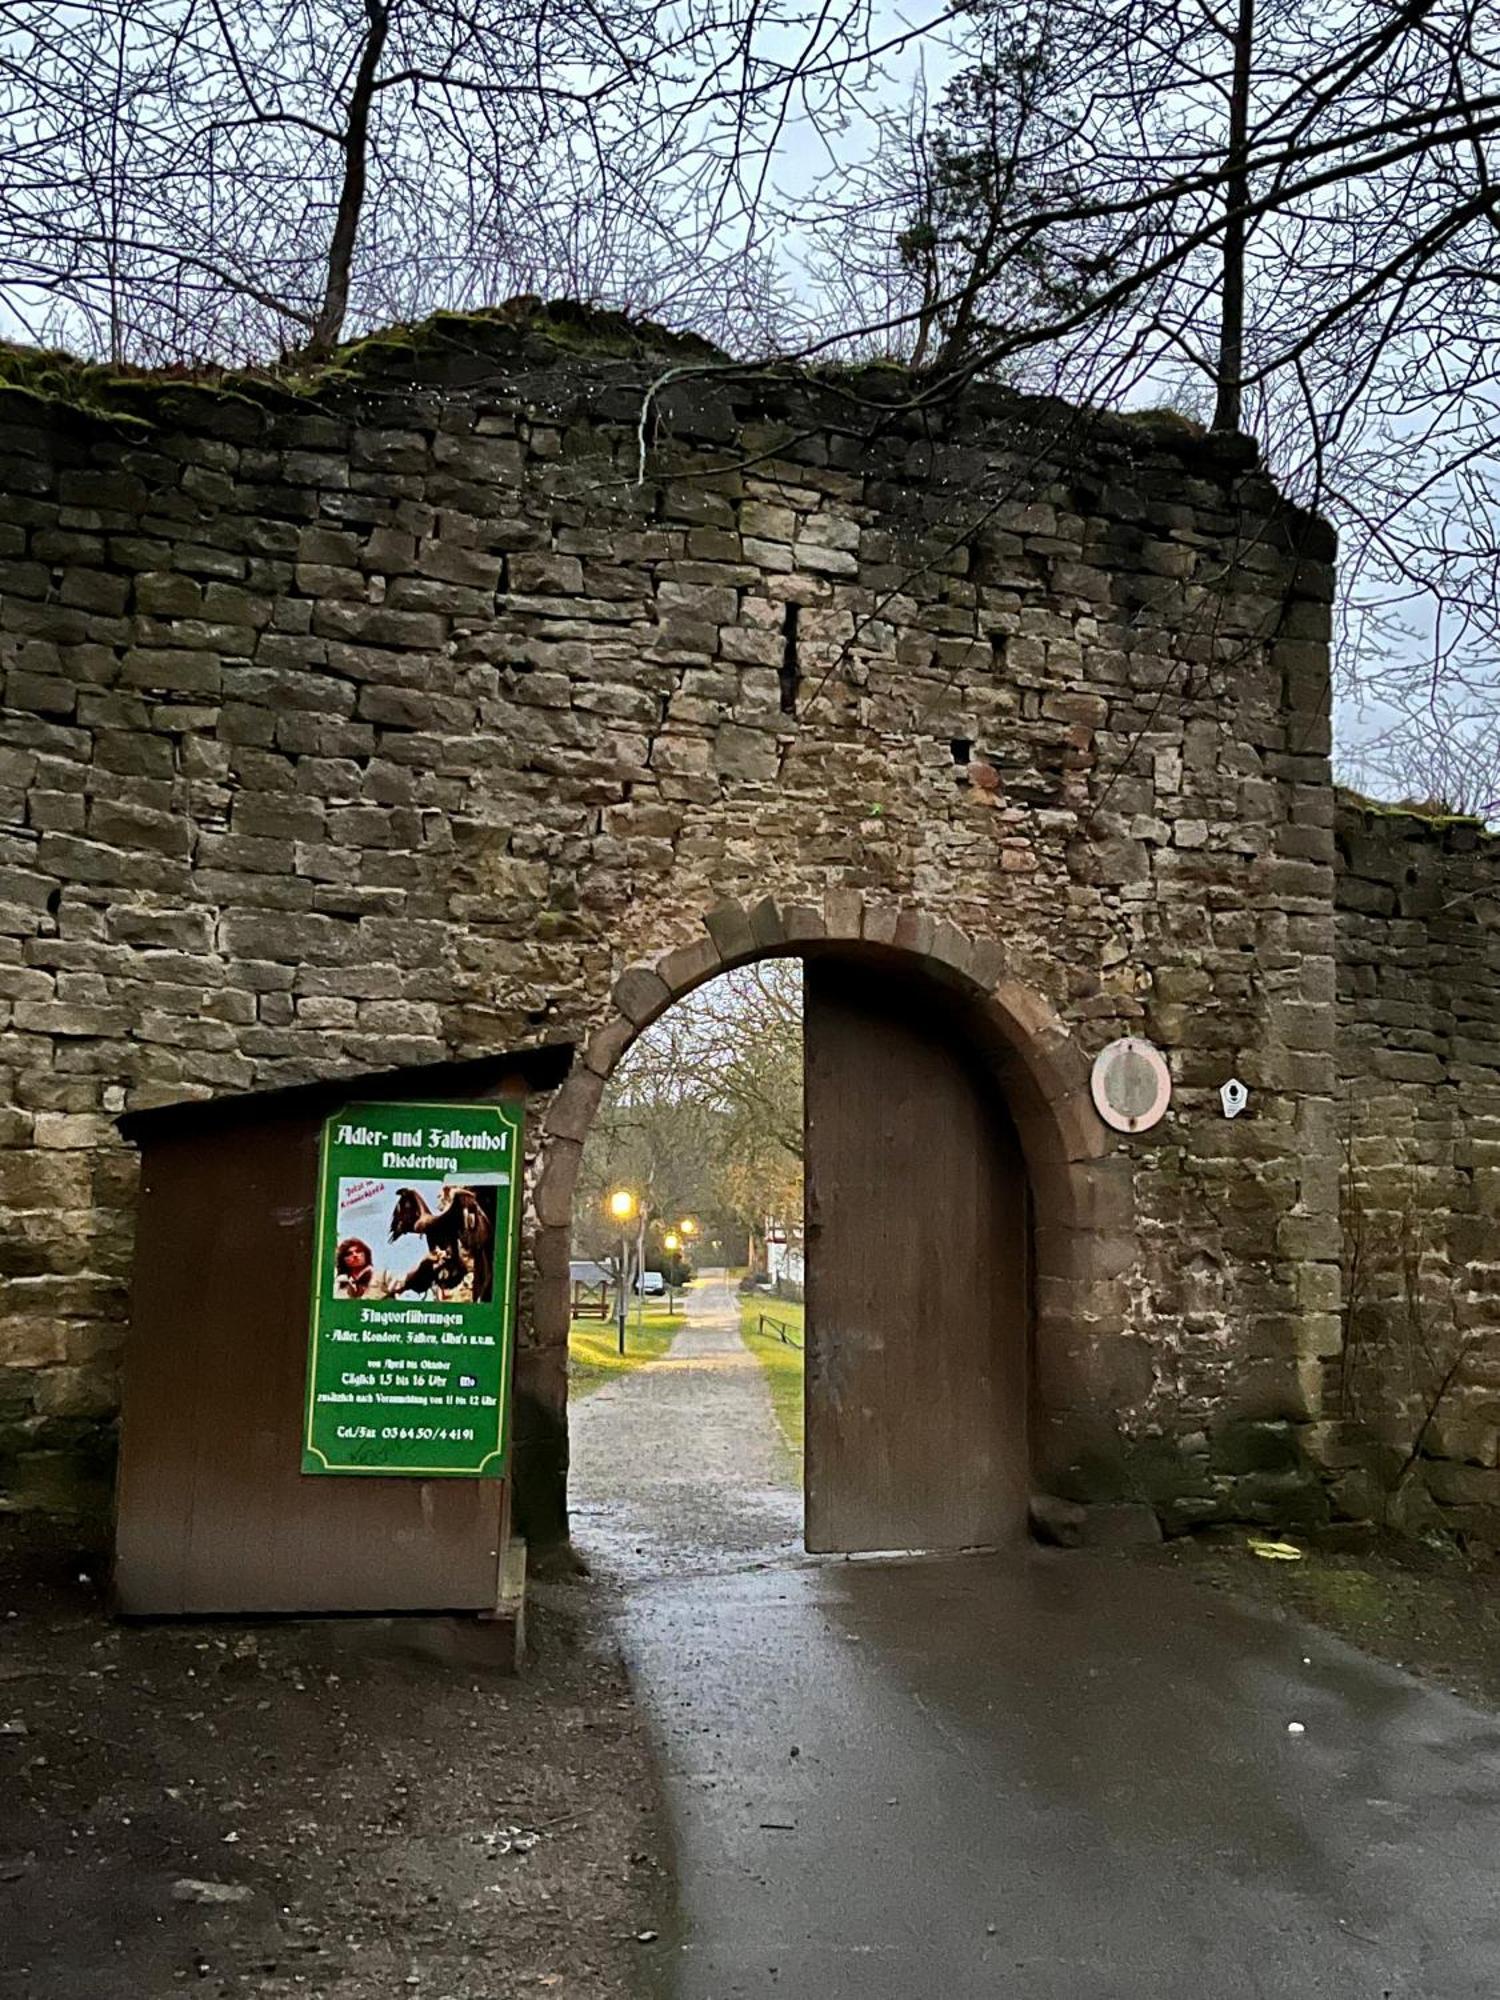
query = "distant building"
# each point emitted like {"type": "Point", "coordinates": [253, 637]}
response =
{"type": "Point", "coordinates": [784, 1254]}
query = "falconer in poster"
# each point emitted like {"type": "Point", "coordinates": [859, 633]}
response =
{"type": "Point", "coordinates": [354, 1272]}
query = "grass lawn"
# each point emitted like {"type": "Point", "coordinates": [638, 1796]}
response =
{"type": "Point", "coordinates": [593, 1357]}
{"type": "Point", "coordinates": [782, 1363]}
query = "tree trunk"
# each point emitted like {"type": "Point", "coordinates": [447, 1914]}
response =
{"type": "Point", "coordinates": [1229, 406]}
{"type": "Point", "coordinates": [329, 323]}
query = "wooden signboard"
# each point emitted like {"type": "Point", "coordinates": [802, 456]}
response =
{"type": "Point", "coordinates": [225, 1501]}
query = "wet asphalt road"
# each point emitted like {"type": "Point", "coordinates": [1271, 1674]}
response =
{"type": "Point", "coordinates": [1047, 1776]}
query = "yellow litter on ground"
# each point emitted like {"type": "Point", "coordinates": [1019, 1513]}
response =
{"type": "Point", "coordinates": [1280, 1552]}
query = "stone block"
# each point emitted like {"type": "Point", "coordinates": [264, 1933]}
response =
{"type": "Point", "coordinates": [641, 994]}
{"type": "Point", "coordinates": [538, 574]}
{"type": "Point", "coordinates": [45, 694]}
{"type": "Point", "coordinates": [951, 949]}
{"type": "Point", "coordinates": [687, 966]}
{"type": "Point", "coordinates": [29, 1342]}
{"type": "Point", "coordinates": [606, 1045]}
{"type": "Point", "coordinates": [1309, 1236]}
{"type": "Point", "coordinates": [551, 1308]}
{"type": "Point", "coordinates": [823, 561]}
{"type": "Point", "coordinates": [878, 923]}
{"type": "Point", "coordinates": [68, 1020]}
{"type": "Point", "coordinates": [1462, 1485]}
{"type": "Point", "coordinates": [843, 912]}
{"type": "Point", "coordinates": [171, 671]}
{"type": "Point", "coordinates": [555, 1181]}
{"type": "Point", "coordinates": [1060, 1523]}
{"type": "Point", "coordinates": [753, 649]}
{"type": "Point", "coordinates": [802, 923]}
{"type": "Point", "coordinates": [766, 522]}
{"type": "Point", "coordinates": [914, 932]}
{"type": "Point", "coordinates": [729, 927]}
{"type": "Point", "coordinates": [1029, 1014]}
{"type": "Point", "coordinates": [772, 558]}
{"type": "Point", "coordinates": [88, 1392]}
{"type": "Point", "coordinates": [571, 1111]}
{"type": "Point", "coordinates": [1470, 1437]}
{"type": "Point", "coordinates": [1247, 1447]}
{"type": "Point", "coordinates": [765, 924]}
{"type": "Point", "coordinates": [1281, 1499]}
{"type": "Point", "coordinates": [1356, 1496]}
{"type": "Point", "coordinates": [1320, 1335]}
{"type": "Point", "coordinates": [1319, 1287]}
{"type": "Point", "coordinates": [1120, 1524]}
{"type": "Point", "coordinates": [745, 755]}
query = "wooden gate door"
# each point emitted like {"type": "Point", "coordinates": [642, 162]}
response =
{"type": "Point", "coordinates": [917, 1321]}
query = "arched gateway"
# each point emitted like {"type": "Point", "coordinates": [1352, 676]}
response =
{"type": "Point", "coordinates": [962, 1204]}
{"type": "Point", "coordinates": [475, 699]}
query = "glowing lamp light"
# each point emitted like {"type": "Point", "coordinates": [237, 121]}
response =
{"type": "Point", "coordinates": [622, 1204]}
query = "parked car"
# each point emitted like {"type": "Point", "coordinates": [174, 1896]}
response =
{"type": "Point", "coordinates": [651, 1284]}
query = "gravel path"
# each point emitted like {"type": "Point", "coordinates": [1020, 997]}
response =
{"type": "Point", "coordinates": [679, 1467]}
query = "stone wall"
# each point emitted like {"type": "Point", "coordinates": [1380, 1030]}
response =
{"type": "Point", "coordinates": [1414, 1399]}
{"type": "Point", "coordinates": [410, 711]}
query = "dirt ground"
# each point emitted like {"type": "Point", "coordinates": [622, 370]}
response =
{"type": "Point", "coordinates": [1424, 1606]}
{"type": "Point", "coordinates": [346, 1809]}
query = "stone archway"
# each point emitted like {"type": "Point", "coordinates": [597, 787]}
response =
{"type": "Point", "coordinates": [1081, 1185]}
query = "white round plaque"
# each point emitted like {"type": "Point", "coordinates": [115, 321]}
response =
{"type": "Point", "coordinates": [1131, 1085]}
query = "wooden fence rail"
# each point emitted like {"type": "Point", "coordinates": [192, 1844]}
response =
{"type": "Point", "coordinates": [782, 1330]}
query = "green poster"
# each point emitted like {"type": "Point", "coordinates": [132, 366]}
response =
{"type": "Point", "coordinates": [414, 1287]}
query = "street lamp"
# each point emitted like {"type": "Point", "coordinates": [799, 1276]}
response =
{"type": "Point", "coordinates": [687, 1230]}
{"type": "Point", "coordinates": [671, 1243]}
{"type": "Point", "coordinates": [622, 1208]}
